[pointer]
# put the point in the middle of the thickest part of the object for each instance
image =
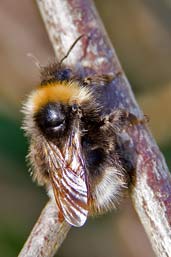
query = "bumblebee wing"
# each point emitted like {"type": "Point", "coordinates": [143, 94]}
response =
{"type": "Point", "coordinates": [70, 191]}
{"type": "Point", "coordinates": [68, 178]}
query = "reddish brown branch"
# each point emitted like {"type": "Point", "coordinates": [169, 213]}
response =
{"type": "Point", "coordinates": [65, 20]}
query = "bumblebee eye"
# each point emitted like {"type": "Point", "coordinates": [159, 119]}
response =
{"type": "Point", "coordinates": [51, 119]}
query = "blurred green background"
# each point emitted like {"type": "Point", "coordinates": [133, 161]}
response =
{"type": "Point", "coordinates": [141, 33]}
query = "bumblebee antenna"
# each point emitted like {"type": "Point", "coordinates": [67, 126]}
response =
{"type": "Point", "coordinates": [70, 49]}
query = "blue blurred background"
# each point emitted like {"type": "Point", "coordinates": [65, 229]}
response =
{"type": "Point", "coordinates": [140, 31]}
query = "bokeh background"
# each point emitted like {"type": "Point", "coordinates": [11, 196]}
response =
{"type": "Point", "coordinates": [141, 33]}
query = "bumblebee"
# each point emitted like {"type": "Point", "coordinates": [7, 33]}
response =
{"type": "Point", "coordinates": [73, 146]}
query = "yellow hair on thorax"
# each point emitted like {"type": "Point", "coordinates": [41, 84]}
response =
{"type": "Point", "coordinates": [61, 92]}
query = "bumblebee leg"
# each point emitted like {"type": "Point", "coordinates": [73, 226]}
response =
{"type": "Point", "coordinates": [103, 79]}
{"type": "Point", "coordinates": [123, 119]}
{"type": "Point", "coordinates": [133, 120]}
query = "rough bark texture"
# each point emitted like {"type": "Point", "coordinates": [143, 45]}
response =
{"type": "Point", "coordinates": [47, 234]}
{"type": "Point", "coordinates": [150, 191]}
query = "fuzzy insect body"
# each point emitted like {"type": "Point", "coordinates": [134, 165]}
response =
{"type": "Point", "coordinates": [73, 146]}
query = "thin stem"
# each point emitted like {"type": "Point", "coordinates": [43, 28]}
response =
{"type": "Point", "coordinates": [47, 234]}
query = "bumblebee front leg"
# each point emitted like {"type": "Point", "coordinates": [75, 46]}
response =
{"type": "Point", "coordinates": [102, 80]}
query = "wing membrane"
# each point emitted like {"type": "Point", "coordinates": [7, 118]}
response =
{"type": "Point", "coordinates": [69, 181]}
{"type": "Point", "coordinates": [71, 192]}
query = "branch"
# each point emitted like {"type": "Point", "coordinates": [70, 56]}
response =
{"type": "Point", "coordinates": [150, 191]}
{"type": "Point", "coordinates": [47, 234]}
